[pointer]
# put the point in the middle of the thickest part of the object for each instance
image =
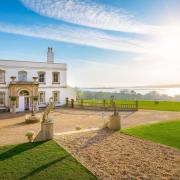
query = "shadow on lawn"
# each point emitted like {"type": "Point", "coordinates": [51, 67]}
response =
{"type": "Point", "coordinates": [18, 149]}
{"type": "Point", "coordinates": [41, 168]}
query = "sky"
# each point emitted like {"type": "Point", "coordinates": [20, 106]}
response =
{"type": "Point", "coordinates": [105, 43]}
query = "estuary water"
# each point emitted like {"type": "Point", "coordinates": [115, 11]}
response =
{"type": "Point", "coordinates": [168, 91]}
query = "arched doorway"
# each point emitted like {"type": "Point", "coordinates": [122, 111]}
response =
{"type": "Point", "coordinates": [24, 101]}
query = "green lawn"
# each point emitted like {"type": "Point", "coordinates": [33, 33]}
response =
{"type": "Point", "coordinates": [40, 160]}
{"type": "Point", "coordinates": [151, 105]}
{"type": "Point", "coordinates": [167, 133]}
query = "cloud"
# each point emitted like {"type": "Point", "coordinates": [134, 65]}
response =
{"type": "Point", "coordinates": [80, 36]}
{"type": "Point", "coordinates": [91, 14]}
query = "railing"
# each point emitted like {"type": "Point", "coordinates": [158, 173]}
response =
{"type": "Point", "coordinates": [101, 105]}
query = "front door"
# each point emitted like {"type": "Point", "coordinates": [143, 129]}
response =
{"type": "Point", "coordinates": [26, 103]}
{"type": "Point", "coordinates": [21, 103]}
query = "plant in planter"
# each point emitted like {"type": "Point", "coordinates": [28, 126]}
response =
{"type": "Point", "coordinates": [30, 136]}
{"type": "Point", "coordinates": [35, 98]}
{"type": "Point", "coordinates": [13, 99]}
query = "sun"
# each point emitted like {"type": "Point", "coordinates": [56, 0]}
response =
{"type": "Point", "coordinates": [168, 43]}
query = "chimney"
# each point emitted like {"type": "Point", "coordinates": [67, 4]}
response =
{"type": "Point", "coordinates": [50, 56]}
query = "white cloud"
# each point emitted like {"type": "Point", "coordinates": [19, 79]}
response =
{"type": "Point", "coordinates": [91, 14]}
{"type": "Point", "coordinates": [80, 36]}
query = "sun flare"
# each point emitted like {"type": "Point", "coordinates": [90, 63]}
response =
{"type": "Point", "coordinates": [168, 44]}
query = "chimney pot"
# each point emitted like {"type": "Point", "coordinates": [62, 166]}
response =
{"type": "Point", "coordinates": [50, 56]}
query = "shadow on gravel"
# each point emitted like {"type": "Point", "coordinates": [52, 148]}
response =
{"type": "Point", "coordinates": [100, 136]}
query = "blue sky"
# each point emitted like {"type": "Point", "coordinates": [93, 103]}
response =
{"type": "Point", "coordinates": [104, 42]}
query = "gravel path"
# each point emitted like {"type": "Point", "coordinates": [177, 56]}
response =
{"type": "Point", "coordinates": [114, 156]}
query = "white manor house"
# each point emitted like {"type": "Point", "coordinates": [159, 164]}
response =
{"type": "Point", "coordinates": [25, 84]}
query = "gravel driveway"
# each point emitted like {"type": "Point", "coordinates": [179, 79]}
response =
{"type": "Point", "coordinates": [114, 156]}
{"type": "Point", "coordinates": [13, 128]}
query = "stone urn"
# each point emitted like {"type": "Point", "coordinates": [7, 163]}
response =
{"type": "Point", "coordinates": [13, 78]}
{"type": "Point", "coordinates": [35, 79]}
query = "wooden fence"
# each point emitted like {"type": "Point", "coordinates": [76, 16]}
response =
{"type": "Point", "coordinates": [101, 105]}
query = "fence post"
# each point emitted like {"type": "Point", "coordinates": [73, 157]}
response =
{"type": "Point", "coordinates": [137, 105]}
{"type": "Point", "coordinates": [112, 101]}
{"type": "Point", "coordinates": [81, 102]}
{"type": "Point", "coordinates": [67, 102]}
{"type": "Point", "coordinates": [72, 103]}
{"type": "Point", "coordinates": [104, 104]}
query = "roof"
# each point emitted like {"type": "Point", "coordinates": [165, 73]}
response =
{"type": "Point", "coordinates": [31, 64]}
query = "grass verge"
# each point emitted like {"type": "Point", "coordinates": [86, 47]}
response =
{"type": "Point", "coordinates": [40, 160]}
{"type": "Point", "coordinates": [167, 133]}
{"type": "Point", "coordinates": [149, 105]}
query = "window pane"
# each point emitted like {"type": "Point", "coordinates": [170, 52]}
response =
{"type": "Point", "coordinates": [55, 77]}
{"type": "Point", "coordinates": [22, 76]}
{"type": "Point", "coordinates": [2, 76]}
{"type": "Point", "coordinates": [2, 99]}
{"type": "Point", "coordinates": [41, 97]}
{"type": "Point", "coordinates": [56, 96]}
{"type": "Point", "coordinates": [42, 77]}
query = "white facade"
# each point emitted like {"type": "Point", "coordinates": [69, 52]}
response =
{"type": "Point", "coordinates": [52, 78]}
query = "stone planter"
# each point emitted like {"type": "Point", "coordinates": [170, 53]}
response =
{"type": "Point", "coordinates": [47, 130]}
{"type": "Point", "coordinates": [30, 138]}
{"type": "Point", "coordinates": [13, 109]}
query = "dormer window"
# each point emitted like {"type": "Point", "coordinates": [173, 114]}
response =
{"type": "Point", "coordinates": [22, 76]}
{"type": "Point", "coordinates": [2, 76]}
{"type": "Point", "coordinates": [56, 77]}
{"type": "Point", "coordinates": [41, 77]}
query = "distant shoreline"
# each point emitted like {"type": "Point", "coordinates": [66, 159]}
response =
{"type": "Point", "coordinates": [134, 87]}
{"type": "Point", "coordinates": [166, 90]}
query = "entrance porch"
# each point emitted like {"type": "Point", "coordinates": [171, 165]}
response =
{"type": "Point", "coordinates": [23, 96]}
